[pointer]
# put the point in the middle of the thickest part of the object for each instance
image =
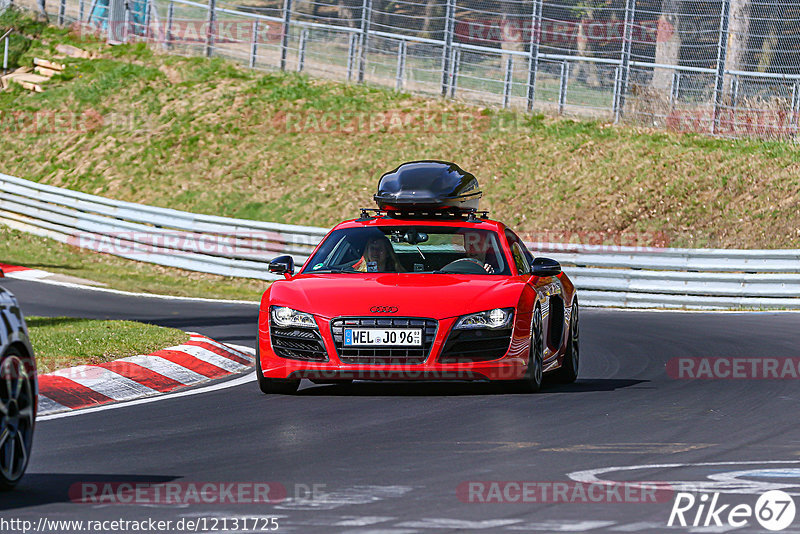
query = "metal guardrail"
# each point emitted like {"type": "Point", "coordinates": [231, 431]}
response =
{"type": "Point", "coordinates": [606, 276]}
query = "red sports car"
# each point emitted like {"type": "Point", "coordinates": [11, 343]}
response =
{"type": "Point", "coordinates": [424, 288]}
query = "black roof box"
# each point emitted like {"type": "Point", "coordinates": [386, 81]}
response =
{"type": "Point", "coordinates": [428, 186]}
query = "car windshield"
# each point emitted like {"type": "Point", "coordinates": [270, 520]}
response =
{"type": "Point", "coordinates": [410, 249]}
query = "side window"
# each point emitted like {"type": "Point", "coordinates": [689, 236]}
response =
{"type": "Point", "coordinates": [518, 251]}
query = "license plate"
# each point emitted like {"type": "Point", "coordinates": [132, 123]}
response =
{"type": "Point", "coordinates": [402, 337]}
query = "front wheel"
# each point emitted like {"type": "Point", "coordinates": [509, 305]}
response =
{"type": "Point", "coordinates": [568, 372]}
{"type": "Point", "coordinates": [17, 416]}
{"type": "Point", "coordinates": [274, 386]}
{"type": "Point", "coordinates": [532, 382]}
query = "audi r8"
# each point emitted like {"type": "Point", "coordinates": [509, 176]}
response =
{"type": "Point", "coordinates": [425, 287]}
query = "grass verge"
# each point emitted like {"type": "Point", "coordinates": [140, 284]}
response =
{"type": "Point", "coordinates": [62, 342]}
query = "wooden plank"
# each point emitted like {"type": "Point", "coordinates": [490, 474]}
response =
{"type": "Point", "coordinates": [47, 64]}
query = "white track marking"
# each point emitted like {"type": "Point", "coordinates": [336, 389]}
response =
{"type": "Point", "coordinates": [166, 368]}
{"type": "Point", "coordinates": [248, 378]}
{"type": "Point", "coordinates": [105, 382]}
{"type": "Point", "coordinates": [364, 521]}
{"type": "Point", "coordinates": [125, 293]}
{"type": "Point", "coordinates": [736, 486]}
{"type": "Point", "coordinates": [437, 522]}
{"type": "Point", "coordinates": [563, 526]}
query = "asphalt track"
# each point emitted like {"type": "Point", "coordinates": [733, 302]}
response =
{"type": "Point", "coordinates": [389, 457]}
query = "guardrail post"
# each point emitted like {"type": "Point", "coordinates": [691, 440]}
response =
{"type": "Point", "coordinates": [456, 67]}
{"type": "Point", "coordinates": [210, 31]}
{"type": "Point", "coordinates": [507, 81]}
{"type": "Point", "coordinates": [533, 59]}
{"type": "Point", "coordinates": [168, 31]}
{"type": "Point", "coordinates": [630, 6]}
{"type": "Point", "coordinates": [401, 65]}
{"type": "Point", "coordinates": [301, 53]}
{"type": "Point", "coordinates": [62, 10]}
{"type": "Point", "coordinates": [449, 28]}
{"type": "Point", "coordinates": [351, 55]}
{"type": "Point", "coordinates": [562, 87]}
{"type": "Point", "coordinates": [254, 45]}
{"type": "Point", "coordinates": [366, 19]}
{"type": "Point", "coordinates": [722, 50]}
{"type": "Point", "coordinates": [287, 21]}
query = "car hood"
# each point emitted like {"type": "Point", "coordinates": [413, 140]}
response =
{"type": "Point", "coordinates": [437, 296]}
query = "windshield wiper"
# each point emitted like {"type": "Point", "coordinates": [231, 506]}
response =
{"type": "Point", "coordinates": [334, 270]}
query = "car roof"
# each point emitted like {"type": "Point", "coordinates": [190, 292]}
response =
{"type": "Point", "coordinates": [450, 222]}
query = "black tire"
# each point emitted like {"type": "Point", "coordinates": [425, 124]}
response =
{"type": "Point", "coordinates": [568, 372]}
{"type": "Point", "coordinates": [532, 382]}
{"type": "Point", "coordinates": [17, 417]}
{"type": "Point", "coordinates": [274, 386]}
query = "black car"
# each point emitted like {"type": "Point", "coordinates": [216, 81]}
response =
{"type": "Point", "coordinates": [18, 392]}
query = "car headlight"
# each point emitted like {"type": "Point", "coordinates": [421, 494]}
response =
{"type": "Point", "coordinates": [497, 318]}
{"type": "Point", "coordinates": [284, 317]}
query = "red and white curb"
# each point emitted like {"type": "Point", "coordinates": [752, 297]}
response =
{"type": "Point", "coordinates": [199, 360]}
{"type": "Point", "coordinates": [23, 273]}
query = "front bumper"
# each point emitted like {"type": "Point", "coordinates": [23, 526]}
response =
{"type": "Point", "coordinates": [510, 366]}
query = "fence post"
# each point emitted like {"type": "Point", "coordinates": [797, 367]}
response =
{"type": "Point", "coordinates": [168, 31]}
{"type": "Point", "coordinates": [630, 6]}
{"type": "Point", "coordinates": [735, 91]}
{"type": "Point", "coordinates": [301, 53]}
{"type": "Point", "coordinates": [62, 9]}
{"type": "Point", "coordinates": [366, 18]}
{"type": "Point", "coordinates": [126, 24]}
{"type": "Point", "coordinates": [449, 28]}
{"type": "Point", "coordinates": [562, 87]}
{"type": "Point", "coordinates": [147, 7]}
{"type": "Point", "coordinates": [533, 60]}
{"type": "Point", "coordinates": [507, 81]}
{"type": "Point", "coordinates": [351, 55]}
{"type": "Point", "coordinates": [401, 65]}
{"type": "Point", "coordinates": [254, 45]}
{"type": "Point", "coordinates": [795, 106]}
{"type": "Point", "coordinates": [80, 11]}
{"type": "Point", "coordinates": [455, 68]}
{"type": "Point", "coordinates": [212, 17]}
{"type": "Point", "coordinates": [5, 53]}
{"type": "Point", "coordinates": [287, 20]}
{"type": "Point", "coordinates": [722, 51]}
{"type": "Point", "coordinates": [675, 89]}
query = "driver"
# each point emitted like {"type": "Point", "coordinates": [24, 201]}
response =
{"type": "Point", "coordinates": [379, 250]}
{"type": "Point", "coordinates": [476, 247]}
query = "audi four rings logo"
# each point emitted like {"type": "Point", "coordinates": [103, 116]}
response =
{"type": "Point", "coordinates": [383, 309]}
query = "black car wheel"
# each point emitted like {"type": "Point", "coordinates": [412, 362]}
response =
{"type": "Point", "coordinates": [533, 376]}
{"type": "Point", "coordinates": [272, 386]}
{"type": "Point", "coordinates": [568, 372]}
{"type": "Point", "coordinates": [17, 415]}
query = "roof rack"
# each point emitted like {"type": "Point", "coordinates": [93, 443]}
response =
{"type": "Point", "coordinates": [471, 215]}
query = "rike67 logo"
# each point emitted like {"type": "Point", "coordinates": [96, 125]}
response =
{"type": "Point", "coordinates": [774, 510]}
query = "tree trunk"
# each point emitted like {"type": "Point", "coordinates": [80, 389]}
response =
{"type": "Point", "coordinates": [738, 35]}
{"type": "Point", "coordinates": [668, 44]}
{"type": "Point", "coordinates": [771, 40]}
{"type": "Point", "coordinates": [430, 6]}
{"type": "Point", "coordinates": [585, 70]}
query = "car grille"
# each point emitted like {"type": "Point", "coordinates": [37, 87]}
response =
{"type": "Point", "coordinates": [476, 345]}
{"type": "Point", "coordinates": [298, 344]}
{"type": "Point", "coordinates": [384, 355]}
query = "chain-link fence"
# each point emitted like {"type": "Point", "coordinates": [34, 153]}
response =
{"type": "Point", "coordinates": [726, 67]}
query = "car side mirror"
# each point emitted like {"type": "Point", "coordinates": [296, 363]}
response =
{"type": "Point", "coordinates": [282, 265]}
{"type": "Point", "coordinates": [545, 267]}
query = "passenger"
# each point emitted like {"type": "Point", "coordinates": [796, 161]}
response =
{"type": "Point", "coordinates": [379, 250]}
